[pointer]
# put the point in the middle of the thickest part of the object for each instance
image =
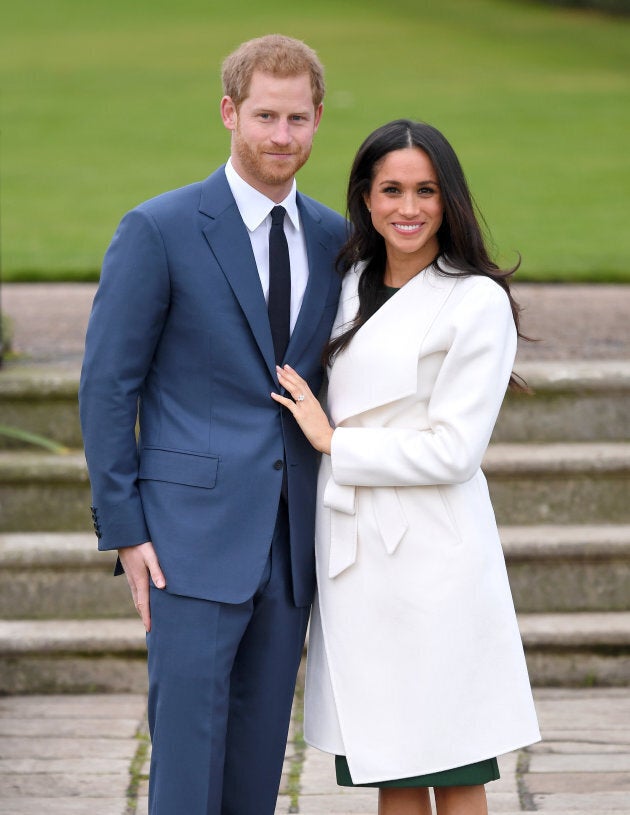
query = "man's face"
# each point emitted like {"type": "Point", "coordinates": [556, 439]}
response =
{"type": "Point", "coordinates": [272, 131]}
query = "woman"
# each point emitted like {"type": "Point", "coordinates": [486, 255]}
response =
{"type": "Point", "coordinates": [416, 676]}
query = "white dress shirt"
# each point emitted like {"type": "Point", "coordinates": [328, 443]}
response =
{"type": "Point", "coordinates": [255, 209]}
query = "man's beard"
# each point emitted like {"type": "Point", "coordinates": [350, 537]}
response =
{"type": "Point", "coordinates": [264, 168]}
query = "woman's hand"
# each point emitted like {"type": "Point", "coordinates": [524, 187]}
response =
{"type": "Point", "coordinates": [305, 407]}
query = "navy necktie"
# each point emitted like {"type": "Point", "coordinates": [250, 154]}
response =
{"type": "Point", "coordinates": [279, 301]}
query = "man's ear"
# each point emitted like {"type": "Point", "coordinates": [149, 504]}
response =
{"type": "Point", "coordinates": [318, 115]}
{"type": "Point", "coordinates": [229, 113]}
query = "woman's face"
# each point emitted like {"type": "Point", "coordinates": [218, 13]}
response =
{"type": "Point", "coordinates": [406, 206]}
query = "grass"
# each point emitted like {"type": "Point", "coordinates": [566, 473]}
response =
{"type": "Point", "coordinates": [137, 766]}
{"type": "Point", "coordinates": [298, 743]}
{"type": "Point", "coordinates": [109, 102]}
{"type": "Point", "coordinates": [17, 434]}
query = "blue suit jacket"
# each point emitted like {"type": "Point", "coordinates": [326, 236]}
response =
{"type": "Point", "coordinates": [179, 337]}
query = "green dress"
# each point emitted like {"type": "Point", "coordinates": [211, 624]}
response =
{"type": "Point", "coordinates": [470, 775]}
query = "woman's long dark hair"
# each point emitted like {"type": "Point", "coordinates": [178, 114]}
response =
{"type": "Point", "coordinates": [460, 237]}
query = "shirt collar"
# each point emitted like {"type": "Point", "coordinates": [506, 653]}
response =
{"type": "Point", "coordinates": [253, 206]}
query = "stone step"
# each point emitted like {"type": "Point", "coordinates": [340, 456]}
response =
{"type": "Point", "coordinates": [47, 575]}
{"type": "Point", "coordinates": [572, 401]}
{"type": "Point", "coordinates": [581, 483]}
{"type": "Point", "coordinates": [568, 568]}
{"type": "Point", "coordinates": [41, 400]}
{"type": "Point", "coordinates": [579, 649]}
{"type": "Point", "coordinates": [551, 568]}
{"type": "Point", "coordinates": [74, 656]}
{"type": "Point", "coordinates": [44, 492]}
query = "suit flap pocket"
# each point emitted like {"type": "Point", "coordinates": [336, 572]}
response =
{"type": "Point", "coordinates": [190, 469]}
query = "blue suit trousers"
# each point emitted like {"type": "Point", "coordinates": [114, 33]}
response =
{"type": "Point", "coordinates": [221, 683]}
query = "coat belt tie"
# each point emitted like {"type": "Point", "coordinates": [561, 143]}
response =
{"type": "Point", "coordinates": [341, 499]}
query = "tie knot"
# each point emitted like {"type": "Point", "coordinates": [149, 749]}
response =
{"type": "Point", "coordinates": [277, 216]}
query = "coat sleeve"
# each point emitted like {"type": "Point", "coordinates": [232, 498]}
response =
{"type": "Point", "coordinates": [124, 328]}
{"type": "Point", "coordinates": [462, 409]}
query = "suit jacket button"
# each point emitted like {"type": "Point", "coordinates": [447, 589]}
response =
{"type": "Point", "coordinates": [278, 465]}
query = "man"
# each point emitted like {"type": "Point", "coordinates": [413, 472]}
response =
{"type": "Point", "coordinates": [215, 500]}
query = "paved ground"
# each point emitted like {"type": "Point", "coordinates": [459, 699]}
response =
{"type": "Point", "coordinates": [569, 321]}
{"type": "Point", "coordinates": [62, 755]}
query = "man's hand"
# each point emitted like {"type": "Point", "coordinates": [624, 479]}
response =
{"type": "Point", "coordinates": [139, 562]}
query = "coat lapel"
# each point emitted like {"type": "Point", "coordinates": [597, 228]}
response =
{"type": "Point", "coordinates": [229, 241]}
{"type": "Point", "coordinates": [387, 346]}
{"type": "Point", "coordinates": [379, 367]}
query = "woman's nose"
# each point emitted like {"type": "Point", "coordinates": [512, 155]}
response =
{"type": "Point", "coordinates": [409, 205]}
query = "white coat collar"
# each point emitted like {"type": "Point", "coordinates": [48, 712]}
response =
{"type": "Point", "coordinates": [376, 368]}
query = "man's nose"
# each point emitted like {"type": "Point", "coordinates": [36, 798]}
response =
{"type": "Point", "coordinates": [282, 133]}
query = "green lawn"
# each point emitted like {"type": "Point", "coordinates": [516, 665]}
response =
{"type": "Point", "coordinates": [107, 102]}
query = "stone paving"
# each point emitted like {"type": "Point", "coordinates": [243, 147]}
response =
{"type": "Point", "coordinates": [61, 755]}
{"type": "Point", "coordinates": [68, 754]}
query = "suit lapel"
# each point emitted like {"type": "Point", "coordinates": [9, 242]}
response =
{"type": "Point", "coordinates": [318, 241]}
{"type": "Point", "coordinates": [229, 241]}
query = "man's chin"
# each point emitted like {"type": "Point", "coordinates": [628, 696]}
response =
{"type": "Point", "coordinates": [280, 172]}
{"type": "Point", "coordinates": [278, 179]}
{"type": "Point", "coordinates": [264, 169]}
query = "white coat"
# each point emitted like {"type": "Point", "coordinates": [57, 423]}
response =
{"type": "Point", "coordinates": [415, 662]}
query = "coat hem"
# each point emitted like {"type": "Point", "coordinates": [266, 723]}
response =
{"type": "Point", "coordinates": [370, 778]}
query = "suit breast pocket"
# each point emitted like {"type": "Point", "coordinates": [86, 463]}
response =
{"type": "Point", "coordinates": [177, 467]}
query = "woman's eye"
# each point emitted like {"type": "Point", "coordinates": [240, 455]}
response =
{"type": "Point", "coordinates": [426, 191]}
